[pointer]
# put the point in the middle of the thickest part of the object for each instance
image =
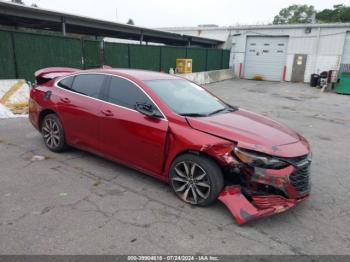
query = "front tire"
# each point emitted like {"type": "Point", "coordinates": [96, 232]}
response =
{"type": "Point", "coordinates": [53, 133]}
{"type": "Point", "coordinates": [196, 179]}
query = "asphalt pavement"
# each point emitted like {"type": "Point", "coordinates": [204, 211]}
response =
{"type": "Point", "coordinates": [78, 203]}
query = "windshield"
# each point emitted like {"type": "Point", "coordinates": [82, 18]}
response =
{"type": "Point", "coordinates": [187, 98]}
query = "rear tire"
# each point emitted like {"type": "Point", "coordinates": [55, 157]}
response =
{"type": "Point", "coordinates": [53, 133]}
{"type": "Point", "coordinates": [196, 179]}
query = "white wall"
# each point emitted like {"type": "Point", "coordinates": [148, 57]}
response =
{"type": "Point", "coordinates": [237, 53]}
{"type": "Point", "coordinates": [323, 48]}
{"type": "Point", "coordinates": [127, 41]}
{"type": "Point", "coordinates": [323, 51]}
{"type": "Point", "coordinates": [323, 45]}
{"type": "Point", "coordinates": [217, 33]}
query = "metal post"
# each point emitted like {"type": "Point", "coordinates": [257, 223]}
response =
{"type": "Point", "coordinates": [102, 53]}
{"type": "Point", "coordinates": [129, 61]}
{"type": "Point", "coordinates": [83, 53]}
{"type": "Point", "coordinates": [63, 26]}
{"type": "Point", "coordinates": [141, 38]}
{"type": "Point", "coordinates": [14, 54]}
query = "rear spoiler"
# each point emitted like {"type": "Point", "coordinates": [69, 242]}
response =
{"type": "Point", "coordinates": [46, 74]}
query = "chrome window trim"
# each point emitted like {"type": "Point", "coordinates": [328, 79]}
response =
{"type": "Point", "coordinates": [107, 74]}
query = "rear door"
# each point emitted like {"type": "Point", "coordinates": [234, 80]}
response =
{"type": "Point", "coordinates": [127, 135]}
{"type": "Point", "coordinates": [79, 109]}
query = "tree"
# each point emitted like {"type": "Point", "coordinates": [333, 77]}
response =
{"type": "Point", "coordinates": [339, 14]}
{"type": "Point", "coordinates": [130, 22]}
{"type": "Point", "coordinates": [22, 3]}
{"type": "Point", "coordinates": [295, 14]}
{"type": "Point", "coordinates": [18, 2]}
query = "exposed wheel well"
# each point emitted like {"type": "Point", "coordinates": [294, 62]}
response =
{"type": "Point", "coordinates": [199, 154]}
{"type": "Point", "coordinates": [43, 114]}
{"type": "Point", "coordinates": [227, 176]}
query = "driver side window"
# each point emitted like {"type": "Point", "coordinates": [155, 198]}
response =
{"type": "Point", "coordinates": [124, 93]}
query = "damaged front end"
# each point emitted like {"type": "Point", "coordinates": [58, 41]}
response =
{"type": "Point", "coordinates": [265, 184]}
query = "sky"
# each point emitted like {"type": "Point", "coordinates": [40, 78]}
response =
{"type": "Point", "coordinates": [177, 13]}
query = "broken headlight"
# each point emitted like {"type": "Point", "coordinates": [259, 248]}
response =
{"type": "Point", "coordinates": [257, 159]}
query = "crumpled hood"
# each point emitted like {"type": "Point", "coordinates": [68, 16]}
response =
{"type": "Point", "coordinates": [251, 131]}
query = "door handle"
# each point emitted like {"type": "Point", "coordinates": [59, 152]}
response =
{"type": "Point", "coordinates": [107, 112]}
{"type": "Point", "coordinates": [65, 100]}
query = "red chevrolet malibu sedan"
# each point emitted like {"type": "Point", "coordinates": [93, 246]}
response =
{"type": "Point", "coordinates": [175, 130]}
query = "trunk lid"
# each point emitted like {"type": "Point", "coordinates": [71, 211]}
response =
{"type": "Point", "coordinates": [46, 74]}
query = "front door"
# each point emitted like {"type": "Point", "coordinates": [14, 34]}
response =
{"type": "Point", "coordinates": [127, 135]}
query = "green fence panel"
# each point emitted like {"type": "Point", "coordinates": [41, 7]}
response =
{"type": "Point", "coordinates": [22, 53]}
{"type": "Point", "coordinates": [199, 58]}
{"type": "Point", "coordinates": [91, 51]}
{"type": "Point", "coordinates": [116, 55]}
{"type": "Point", "coordinates": [169, 55]}
{"type": "Point", "coordinates": [214, 59]}
{"type": "Point", "coordinates": [225, 59]}
{"type": "Point", "coordinates": [35, 51]}
{"type": "Point", "coordinates": [145, 57]}
{"type": "Point", "coordinates": [7, 60]}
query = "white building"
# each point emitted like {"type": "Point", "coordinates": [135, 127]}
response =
{"type": "Point", "coordinates": [282, 52]}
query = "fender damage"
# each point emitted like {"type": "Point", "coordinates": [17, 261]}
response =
{"type": "Point", "coordinates": [260, 192]}
{"type": "Point", "coordinates": [245, 211]}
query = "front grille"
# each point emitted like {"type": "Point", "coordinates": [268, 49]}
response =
{"type": "Point", "coordinates": [300, 178]}
{"type": "Point", "coordinates": [295, 160]}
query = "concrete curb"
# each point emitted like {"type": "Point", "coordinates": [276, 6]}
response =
{"type": "Point", "coordinates": [208, 77]}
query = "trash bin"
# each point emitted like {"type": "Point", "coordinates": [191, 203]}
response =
{"type": "Point", "coordinates": [314, 80]}
{"type": "Point", "coordinates": [343, 83]}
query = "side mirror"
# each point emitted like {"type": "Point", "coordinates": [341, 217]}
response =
{"type": "Point", "coordinates": [146, 109]}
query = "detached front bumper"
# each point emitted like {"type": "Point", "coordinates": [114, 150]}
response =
{"type": "Point", "coordinates": [244, 210]}
{"type": "Point", "coordinates": [263, 192]}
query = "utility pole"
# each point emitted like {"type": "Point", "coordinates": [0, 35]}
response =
{"type": "Point", "coordinates": [313, 18]}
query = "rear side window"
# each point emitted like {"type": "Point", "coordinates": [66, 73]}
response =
{"type": "Point", "coordinates": [89, 85]}
{"type": "Point", "coordinates": [66, 82]}
{"type": "Point", "coordinates": [124, 93]}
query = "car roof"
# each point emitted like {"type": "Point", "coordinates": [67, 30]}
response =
{"type": "Point", "coordinates": [140, 74]}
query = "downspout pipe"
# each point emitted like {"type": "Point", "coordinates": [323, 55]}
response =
{"type": "Point", "coordinates": [315, 50]}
